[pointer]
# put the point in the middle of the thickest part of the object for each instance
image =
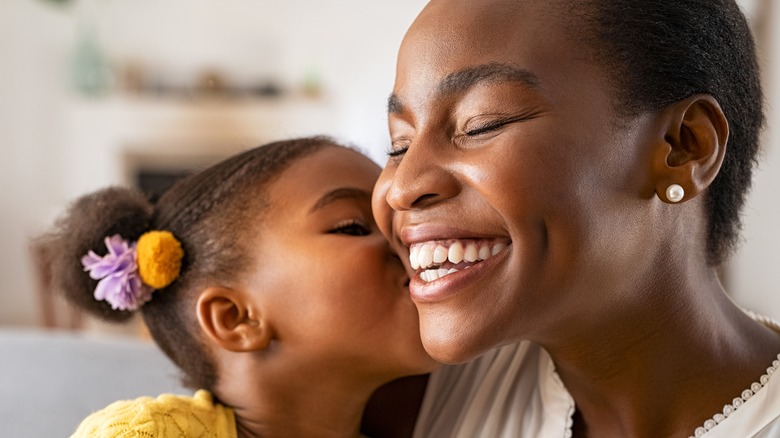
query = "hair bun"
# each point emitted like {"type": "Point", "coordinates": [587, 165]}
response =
{"type": "Point", "coordinates": [84, 228]}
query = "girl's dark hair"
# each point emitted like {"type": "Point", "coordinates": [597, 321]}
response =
{"type": "Point", "coordinates": [210, 212]}
{"type": "Point", "coordinates": [658, 52]}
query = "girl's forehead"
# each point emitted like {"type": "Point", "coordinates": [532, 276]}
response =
{"type": "Point", "coordinates": [321, 172]}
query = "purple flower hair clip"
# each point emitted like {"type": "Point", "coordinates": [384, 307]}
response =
{"type": "Point", "coordinates": [117, 272]}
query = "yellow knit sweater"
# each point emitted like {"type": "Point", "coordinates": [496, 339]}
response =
{"type": "Point", "coordinates": [167, 416]}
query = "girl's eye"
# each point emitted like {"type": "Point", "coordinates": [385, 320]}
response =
{"type": "Point", "coordinates": [352, 228]}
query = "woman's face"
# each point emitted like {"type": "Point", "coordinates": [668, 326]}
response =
{"type": "Point", "coordinates": [512, 185]}
{"type": "Point", "coordinates": [333, 290]}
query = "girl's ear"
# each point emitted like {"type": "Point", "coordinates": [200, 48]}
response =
{"type": "Point", "coordinates": [692, 150]}
{"type": "Point", "coordinates": [232, 321]}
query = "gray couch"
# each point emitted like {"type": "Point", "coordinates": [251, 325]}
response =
{"type": "Point", "coordinates": [51, 380]}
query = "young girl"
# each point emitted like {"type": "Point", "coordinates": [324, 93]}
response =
{"type": "Point", "coordinates": [264, 278]}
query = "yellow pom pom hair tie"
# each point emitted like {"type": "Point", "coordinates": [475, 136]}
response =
{"type": "Point", "coordinates": [159, 258]}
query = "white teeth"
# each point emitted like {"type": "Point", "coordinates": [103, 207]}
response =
{"type": "Point", "coordinates": [439, 254]}
{"type": "Point", "coordinates": [435, 274]}
{"type": "Point", "coordinates": [455, 254]}
{"type": "Point", "coordinates": [425, 256]}
{"type": "Point", "coordinates": [471, 254]}
{"type": "Point", "coordinates": [413, 257]}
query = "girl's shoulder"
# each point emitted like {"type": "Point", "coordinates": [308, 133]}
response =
{"type": "Point", "coordinates": [167, 415]}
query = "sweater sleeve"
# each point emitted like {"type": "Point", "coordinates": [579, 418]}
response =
{"type": "Point", "coordinates": [167, 416]}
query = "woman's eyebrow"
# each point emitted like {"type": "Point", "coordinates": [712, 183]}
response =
{"type": "Point", "coordinates": [394, 105]}
{"type": "Point", "coordinates": [494, 72]}
{"type": "Point", "coordinates": [341, 193]}
{"type": "Point", "coordinates": [462, 80]}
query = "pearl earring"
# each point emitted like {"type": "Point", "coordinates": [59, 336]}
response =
{"type": "Point", "coordinates": [675, 193]}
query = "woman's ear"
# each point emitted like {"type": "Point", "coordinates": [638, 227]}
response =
{"type": "Point", "coordinates": [232, 321]}
{"type": "Point", "coordinates": [692, 150]}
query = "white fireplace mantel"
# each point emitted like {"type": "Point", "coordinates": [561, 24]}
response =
{"type": "Point", "coordinates": [106, 139]}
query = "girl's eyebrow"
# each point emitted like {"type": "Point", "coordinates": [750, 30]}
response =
{"type": "Point", "coordinates": [462, 80]}
{"type": "Point", "coordinates": [341, 193]}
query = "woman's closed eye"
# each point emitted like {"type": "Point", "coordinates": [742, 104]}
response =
{"type": "Point", "coordinates": [352, 227]}
{"type": "Point", "coordinates": [490, 126]}
{"type": "Point", "coordinates": [401, 146]}
{"type": "Point", "coordinates": [398, 148]}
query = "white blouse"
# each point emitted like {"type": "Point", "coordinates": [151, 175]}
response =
{"type": "Point", "coordinates": [514, 391]}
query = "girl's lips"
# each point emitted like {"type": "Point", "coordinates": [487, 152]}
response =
{"type": "Point", "coordinates": [449, 285]}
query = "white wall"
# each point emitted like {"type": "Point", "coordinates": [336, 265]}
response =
{"type": "Point", "coordinates": [32, 45]}
{"type": "Point", "coordinates": [350, 43]}
{"type": "Point", "coordinates": [754, 274]}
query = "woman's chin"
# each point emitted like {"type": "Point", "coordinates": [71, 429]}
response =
{"type": "Point", "coordinates": [451, 350]}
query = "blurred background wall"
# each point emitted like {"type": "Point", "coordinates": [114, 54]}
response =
{"type": "Point", "coordinates": [99, 92]}
{"type": "Point", "coordinates": [753, 275]}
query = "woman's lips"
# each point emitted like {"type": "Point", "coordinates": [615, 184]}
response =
{"type": "Point", "coordinates": [436, 281]}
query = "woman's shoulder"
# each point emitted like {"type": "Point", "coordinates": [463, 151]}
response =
{"type": "Point", "coordinates": [167, 415]}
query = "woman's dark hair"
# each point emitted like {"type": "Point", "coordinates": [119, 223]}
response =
{"type": "Point", "coordinates": [209, 212]}
{"type": "Point", "coordinates": [658, 52]}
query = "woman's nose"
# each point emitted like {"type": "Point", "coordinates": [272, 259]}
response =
{"type": "Point", "coordinates": [423, 178]}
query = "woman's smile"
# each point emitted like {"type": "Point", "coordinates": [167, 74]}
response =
{"type": "Point", "coordinates": [434, 260]}
{"type": "Point", "coordinates": [443, 267]}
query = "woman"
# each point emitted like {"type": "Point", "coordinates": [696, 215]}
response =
{"type": "Point", "coordinates": [567, 177]}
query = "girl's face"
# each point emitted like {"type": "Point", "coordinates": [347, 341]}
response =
{"type": "Point", "coordinates": [333, 289]}
{"type": "Point", "coordinates": [511, 184]}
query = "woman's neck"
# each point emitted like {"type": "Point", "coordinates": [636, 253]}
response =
{"type": "Point", "coordinates": [663, 368]}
